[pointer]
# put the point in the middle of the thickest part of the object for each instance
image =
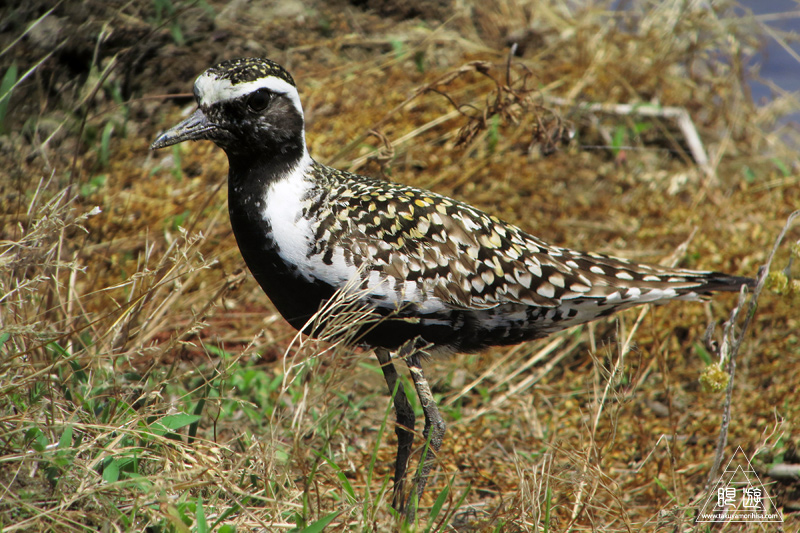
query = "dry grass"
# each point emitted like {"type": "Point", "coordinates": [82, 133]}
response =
{"type": "Point", "coordinates": [145, 381]}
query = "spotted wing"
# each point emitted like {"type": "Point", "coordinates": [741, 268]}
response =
{"type": "Point", "coordinates": [414, 246]}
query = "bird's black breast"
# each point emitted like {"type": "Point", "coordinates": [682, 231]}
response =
{"type": "Point", "coordinates": [295, 296]}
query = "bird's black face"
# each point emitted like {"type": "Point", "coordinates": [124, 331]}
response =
{"type": "Point", "coordinates": [248, 107]}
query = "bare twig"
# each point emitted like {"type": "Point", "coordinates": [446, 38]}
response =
{"type": "Point", "coordinates": [785, 472]}
{"type": "Point", "coordinates": [478, 66]}
{"type": "Point", "coordinates": [730, 348]}
{"type": "Point", "coordinates": [678, 114]}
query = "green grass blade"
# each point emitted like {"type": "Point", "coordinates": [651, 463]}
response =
{"type": "Point", "coordinates": [346, 485]}
{"type": "Point", "coordinates": [105, 144]}
{"type": "Point", "coordinates": [437, 505]}
{"type": "Point", "coordinates": [6, 88]}
{"type": "Point", "coordinates": [321, 524]}
{"type": "Point", "coordinates": [201, 525]}
{"type": "Point", "coordinates": [111, 471]}
{"type": "Point", "coordinates": [178, 420]}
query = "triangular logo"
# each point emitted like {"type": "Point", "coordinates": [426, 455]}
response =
{"type": "Point", "coordinates": [739, 495]}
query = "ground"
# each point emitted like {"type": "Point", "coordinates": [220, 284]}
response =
{"type": "Point", "coordinates": [147, 383]}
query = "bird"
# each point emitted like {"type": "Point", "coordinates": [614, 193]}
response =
{"type": "Point", "coordinates": [442, 275]}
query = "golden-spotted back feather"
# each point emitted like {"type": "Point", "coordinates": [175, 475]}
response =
{"type": "Point", "coordinates": [440, 257]}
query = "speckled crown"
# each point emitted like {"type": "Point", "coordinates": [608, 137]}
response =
{"type": "Point", "coordinates": [246, 69]}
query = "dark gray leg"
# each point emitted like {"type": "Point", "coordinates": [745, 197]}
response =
{"type": "Point", "coordinates": [434, 425]}
{"type": "Point", "coordinates": [404, 428]}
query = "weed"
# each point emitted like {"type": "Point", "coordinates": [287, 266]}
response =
{"type": "Point", "coordinates": [6, 88]}
{"type": "Point", "coordinates": [164, 10]}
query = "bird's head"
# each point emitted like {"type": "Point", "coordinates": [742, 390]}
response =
{"type": "Point", "coordinates": [246, 106]}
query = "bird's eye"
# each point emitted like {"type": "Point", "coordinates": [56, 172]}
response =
{"type": "Point", "coordinates": [259, 100]}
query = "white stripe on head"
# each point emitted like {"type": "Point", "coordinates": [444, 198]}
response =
{"type": "Point", "coordinates": [210, 89]}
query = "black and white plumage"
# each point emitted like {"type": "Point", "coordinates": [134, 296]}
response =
{"type": "Point", "coordinates": [444, 274]}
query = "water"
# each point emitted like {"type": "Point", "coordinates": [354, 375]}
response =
{"type": "Point", "coordinates": [777, 63]}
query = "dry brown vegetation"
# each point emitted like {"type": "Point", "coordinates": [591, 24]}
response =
{"type": "Point", "coordinates": [146, 382]}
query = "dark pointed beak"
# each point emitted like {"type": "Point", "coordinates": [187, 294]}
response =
{"type": "Point", "coordinates": [196, 127]}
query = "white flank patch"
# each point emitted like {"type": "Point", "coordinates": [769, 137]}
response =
{"type": "Point", "coordinates": [210, 89]}
{"type": "Point", "coordinates": [283, 208]}
{"type": "Point", "coordinates": [376, 283]}
{"type": "Point", "coordinates": [294, 236]}
{"type": "Point", "coordinates": [410, 292]}
{"type": "Point", "coordinates": [293, 233]}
